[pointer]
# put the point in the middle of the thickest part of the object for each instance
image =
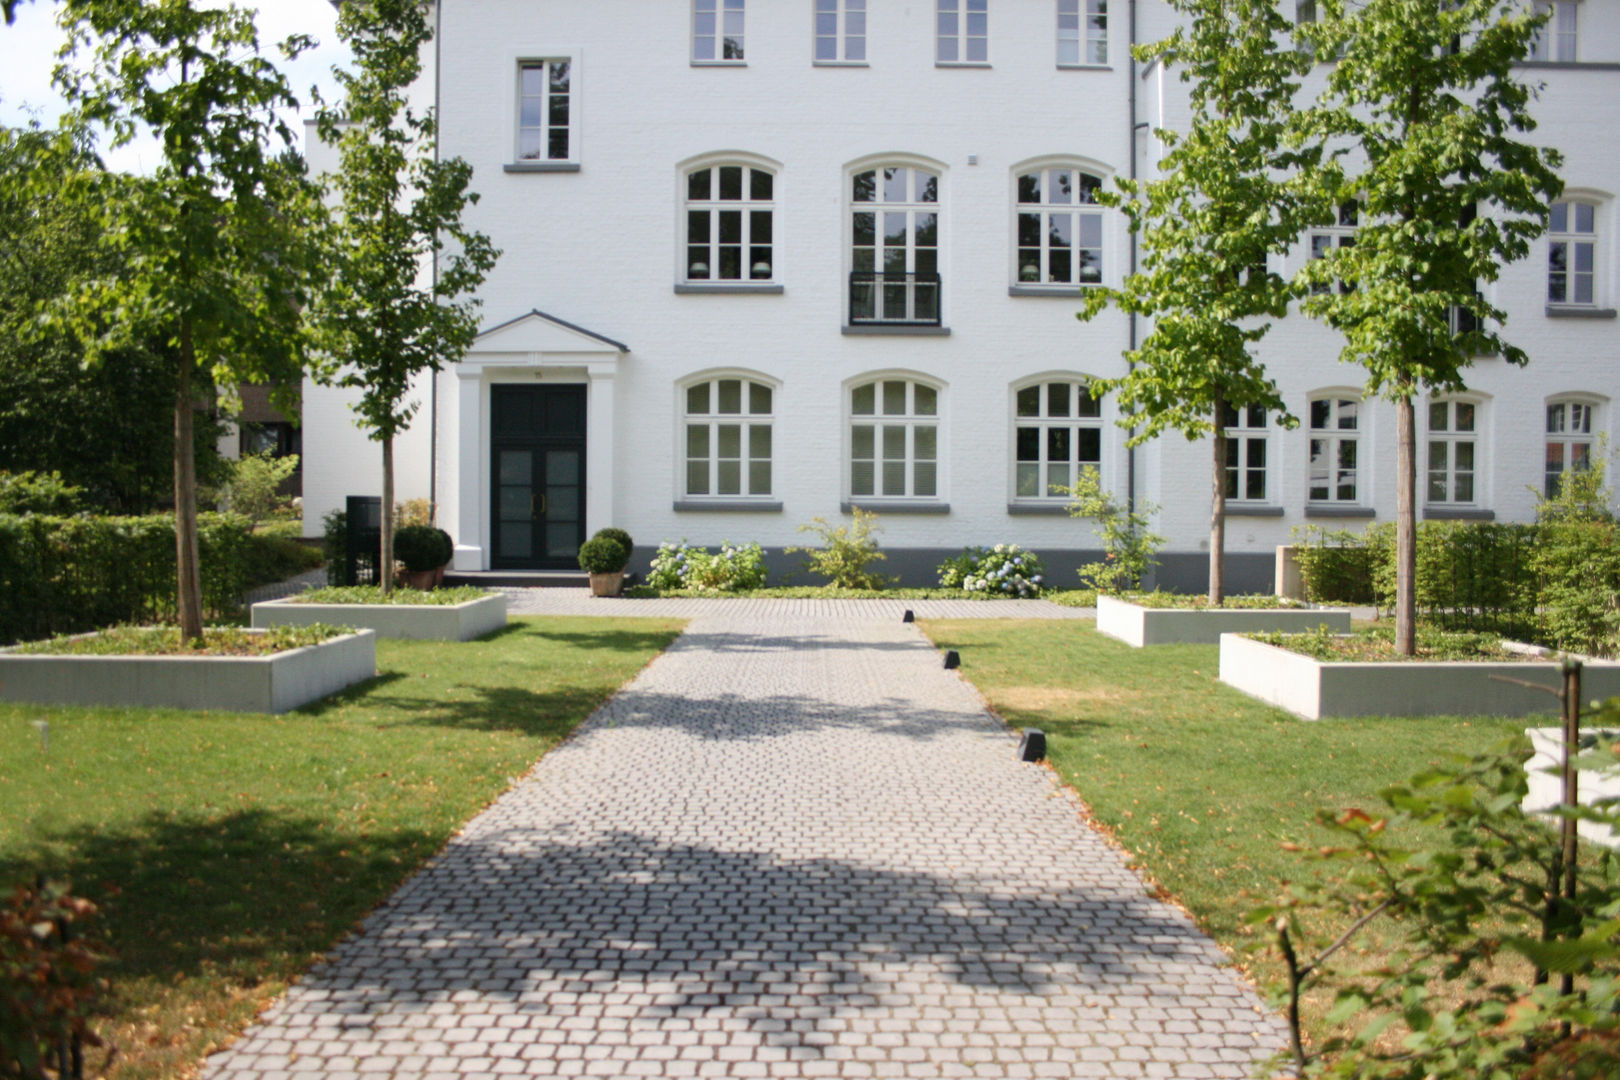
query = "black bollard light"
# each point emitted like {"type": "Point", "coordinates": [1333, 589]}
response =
{"type": "Point", "coordinates": [1032, 745]}
{"type": "Point", "coordinates": [953, 660]}
{"type": "Point", "coordinates": [909, 616]}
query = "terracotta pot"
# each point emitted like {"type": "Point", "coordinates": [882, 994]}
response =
{"type": "Point", "coordinates": [421, 580]}
{"type": "Point", "coordinates": [438, 575]}
{"type": "Point", "coordinates": [607, 584]}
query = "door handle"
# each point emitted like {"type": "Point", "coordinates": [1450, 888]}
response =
{"type": "Point", "coordinates": [542, 505]}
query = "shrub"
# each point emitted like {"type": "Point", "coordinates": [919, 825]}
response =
{"type": "Point", "coordinates": [413, 512]}
{"type": "Point", "coordinates": [1006, 569]}
{"type": "Point", "coordinates": [734, 568]}
{"type": "Point", "coordinates": [846, 553]}
{"type": "Point", "coordinates": [255, 485]}
{"type": "Point", "coordinates": [1129, 549]}
{"type": "Point", "coordinates": [1337, 566]}
{"type": "Point", "coordinates": [419, 548]}
{"type": "Point", "coordinates": [48, 985]}
{"type": "Point", "coordinates": [620, 535]}
{"type": "Point", "coordinates": [603, 555]}
{"type": "Point", "coordinates": [39, 493]}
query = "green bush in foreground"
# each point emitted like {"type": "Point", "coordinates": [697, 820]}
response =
{"type": "Point", "coordinates": [847, 552]}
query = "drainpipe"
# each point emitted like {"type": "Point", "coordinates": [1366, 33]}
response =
{"type": "Point", "coordinates": [433, 376]}
{"type": "Point", "coordinates": [1130, 152]}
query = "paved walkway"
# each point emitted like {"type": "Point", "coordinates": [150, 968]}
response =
{"type": "Point", "coordinates": [793, 847]}
{"type": "Point", "coordinates": [581, 602]}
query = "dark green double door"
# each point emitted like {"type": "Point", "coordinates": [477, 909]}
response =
{"type": "Point", "coordinates": [538, 468]}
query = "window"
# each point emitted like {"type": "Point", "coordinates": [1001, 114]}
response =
{"type": "Point", "coordinates": [1247, 453]}
{"type": "Point", "coordinates": [545, 94]}
{"type": "Point", "coordinates": [728, 437]}
{"type": "Point", "coordinates": [1558, 38]}
{"type": "Point", "coordinates": [1077, 44]}
{"type": "Point", "coordinates": [1304, 12]}
{"type": "Point", "coordinates": [963, 31]}
{"type": "Point", "coordinates": [894, 440]}
{"type": "Point", "coordinates": [1335, 442]}
{"type": "Point", "coordinates": [1571, 253]}
{"type": "Point", "coordinates": [841, 31]}
{"type": "Point", "coordinates": [1453, 439]}
{"type": "Point", "coordinates": [717, 31]}
{"type": "Point", "coordinates": [730, 223]}
{"type": "Point", "coordinates": [1057, 431]}
{"type": "Point", "coordinates": [1340, 235]}
{"type": "Point", "coordinates": [894, 275]}
{"type": "Point", "coordinates": [1569, 441]}
{"type": "Point", "coordinates": [1059, 238]}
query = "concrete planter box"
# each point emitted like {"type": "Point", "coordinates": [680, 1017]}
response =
{"type": "Point", "coordinates": [418, 622]}
{"type": "Point", "coordinates": [1547, 788]}
{"type": "Point", "coordinates": [1314, 690]}
{"type": "Point", "coordinates": [1137, 625]}
{"type": "Point", "coordinates": [266, 684]}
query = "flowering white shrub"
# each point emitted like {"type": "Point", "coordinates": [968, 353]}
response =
{"type": "Point", "coordinates": [734, 568]}
{"type": "Point", "coordinates": [1004, 570]}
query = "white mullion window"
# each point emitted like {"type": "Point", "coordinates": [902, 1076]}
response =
{"type": "Point", "coordinates": [841, 31]}
{"type": "Point", "coordinates": [1057, 432]}
{"type": "Point", "coordinates": [1248, 454]}
{"type": "Point", "coordinates": [1080, 43]}
{"type": "Point", "coordinates": [717, 31]}
{"type": "Point", "coordinates": [894, 440]}
{"type": "Point", "coordinates": [1559, 38]}
{"type": "Point", "coordinates": [963, 31]}
{"type": "Point", "coordinates": [730, 224]}
{"type": "Point", "coordinates": [728, 438]}
{"type": "Point", "coordinates": [1335, 450]}
{"type": "Point", "coordinates": [1453, 447]}
{"type": "Point", "coordinates": [545, 93]}
{"type": "Point", "coordinates": [1059, 228]}
{"type": "Point", "coordinates": [895, 247]}
{"type": "Point", "coordinates": [1341, 235]}
{"type": "Point", "coordinates": [1569, 441]}
{"type": "Point", "coordinates": [1572, 253]}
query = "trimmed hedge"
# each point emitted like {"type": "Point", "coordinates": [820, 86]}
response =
{"type": "Point", "coordinates": [66, 575]}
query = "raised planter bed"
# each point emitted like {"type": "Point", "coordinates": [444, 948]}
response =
{"type": "Point", "coordinates": [418, 622]}
{"type": "Point", "coordinates": [1139, 626]}
{"type": "Point", "coordinates": [1547, 788]}
{"type": "Point", "coordinates": [266, 684]}
{"type": "Point", "coordinates": [1314, 689]}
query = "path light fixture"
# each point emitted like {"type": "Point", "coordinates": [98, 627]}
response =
{"type": "Point", "coordinates": [953, 660]}
{"type": "Point", "coordinates": [1032, 745]}
{"type": "Point", "coordinates": [909, 616]}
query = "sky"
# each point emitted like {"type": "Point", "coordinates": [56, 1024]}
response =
{"type": "Point", "coordinates": [28, 56]}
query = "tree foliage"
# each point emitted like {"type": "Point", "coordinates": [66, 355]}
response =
{"type": "Point", "coordinates": [398, 208]}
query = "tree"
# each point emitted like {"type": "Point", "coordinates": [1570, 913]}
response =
{"type": "Point", "coordinates": [214, 249]}
{"type": "Point", "coordinates": [1423, 103]}
{"type": "Point", "coordinates": [397, 208]}
{"type": "Point", "coordinates": [106, 428]}
{"type": "Point", "coordinates": [1231, 193]}
{"type": "Point", "coordinates": [9, 7]}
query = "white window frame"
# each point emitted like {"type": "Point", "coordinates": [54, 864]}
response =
{"type": "Point", "coordinates": [543, 60]}
{"type": "Point", "coordinates": [1248, 426]}
{"type": "Point", "coordinates": [1084, 413]}
{"type": "Point", "coordinates": [962, 17]}
{"type": "Point", "coordinates": [1559, 40]}
{"type": "Point", "coordinates": [1572, 424]}
{"type": "Point", "coordinates": [914, 299]}
{"type": "Point", "coordinates": [1569, 240]}
{"type": "Point", "coordinates": [714, 206]}
{"type": "Point", "coordinates": [1452, 435]}
{"type": "Point", "coordinates": [1336, 437]}
{"type": "Point", "coordinates": [843, 23]}
{"type": "Point", "coordinates": [1323, 239]}
{"type": "Point", "coordinates": [1084, 216]}
{"type": "Point", "coordinates": [913, 447]}
{"type": "Point", "coordinates": [747, 420]}
{"type": "Point", "coordinates": [1082, 33]}
{"type": "Point", "coordinates": [715, 40]}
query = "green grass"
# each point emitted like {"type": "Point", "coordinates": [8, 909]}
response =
{"type": "Point", "coordinates": [373, 594]}
{"type": "Point", "coordinates": [229, 851]}
{"type": "Point", "coordinates": [1201, 784]}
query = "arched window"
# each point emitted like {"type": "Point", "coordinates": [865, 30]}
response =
{"type": "Point", "coordinates": [730, 223]}
{"type": "Point", "coordinates": [1572, 253]}
{"type": "Point", "coordinates": [1571, 428]}
{"type": "Point", "coordinates": [1059, 228]}
{"type": "Point", "coordinates": [894, 246]}
{"type": "Point", "coordinates": [1335, 461]}
{"type": "Point", "coordinates": [728, 443]}
{"type": "Point", "coordinates": [1453, 447]}
{"type": "Point", "coordinates": [1057, 432]}
{"type": "Point", "coordinates": [1248, 454]}
{"type": "Point", "coordinates": [894, 439]}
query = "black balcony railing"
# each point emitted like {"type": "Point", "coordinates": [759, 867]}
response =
{"type": "Point", "coordinates": [879, 298]}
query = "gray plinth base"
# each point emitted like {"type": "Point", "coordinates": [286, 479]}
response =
{"type": "Point", "coordinates": [419, 622]}
{"type": "Point", "coordinates": [1140, 626]}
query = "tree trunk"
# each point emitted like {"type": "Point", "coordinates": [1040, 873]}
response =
{"type": "Point", "coordinates": [189, 598]}
{"type": "Point", "coordinates": [1217, 511]}
{"type": "Point", "coordinates": [385, 572]}
{"type": "Point", "coordinates": [1405, 527]}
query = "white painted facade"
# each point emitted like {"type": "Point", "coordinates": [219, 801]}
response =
{"type": "Point", "coordinates": [597, 242]}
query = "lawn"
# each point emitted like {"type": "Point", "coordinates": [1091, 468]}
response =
{"type": "Point", "coordinates": [228, 851]}
{"type": "Point", "coordinates": [1201, 784]}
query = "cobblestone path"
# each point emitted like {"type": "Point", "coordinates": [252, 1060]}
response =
{"type": "Point", "coordinates": [793, 847]}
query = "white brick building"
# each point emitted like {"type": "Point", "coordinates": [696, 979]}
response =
{"type": "Point", "coordinates": [829, 254]}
